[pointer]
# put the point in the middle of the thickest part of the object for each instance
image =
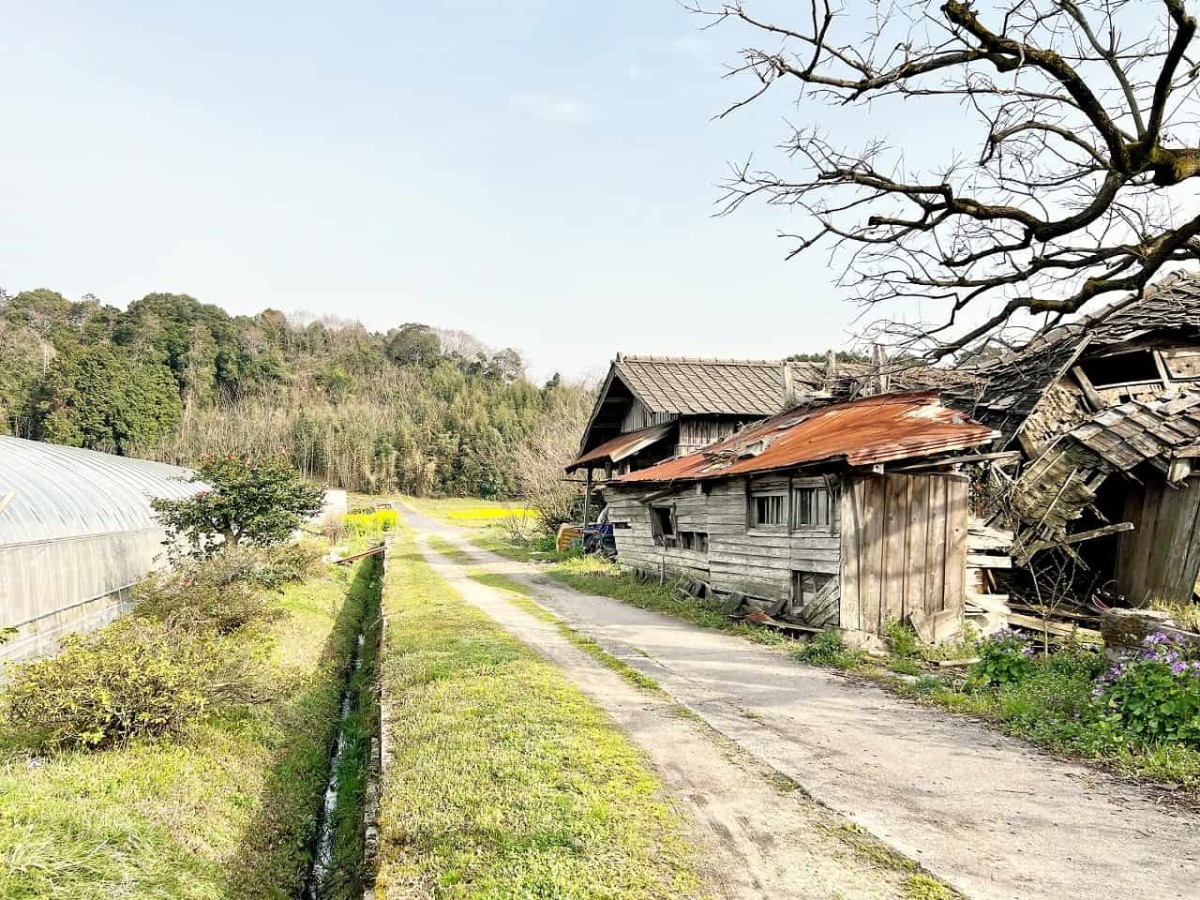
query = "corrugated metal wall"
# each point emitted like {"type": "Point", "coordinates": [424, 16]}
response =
{"type": "Point", "coordinates": [76, 530]}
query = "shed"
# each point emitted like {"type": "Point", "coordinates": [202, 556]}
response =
{"type": "Point", "coordinates": [76, 532]}
{"type": "Point", "coordinates": [850, 514]}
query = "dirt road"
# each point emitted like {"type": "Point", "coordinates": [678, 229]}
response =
{"type": "Point", "coordinates": [987, 814]}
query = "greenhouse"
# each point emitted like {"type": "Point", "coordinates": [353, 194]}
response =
{"type": "Point", "coordinates": [76, 532]}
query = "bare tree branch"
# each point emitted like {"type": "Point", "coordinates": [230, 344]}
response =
{"type": "Point", "coordinates": [1067, 201]}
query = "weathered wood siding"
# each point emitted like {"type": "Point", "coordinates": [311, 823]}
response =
{"type": "Point", "coordinates": [759, 562]}
{"type": "Point", "coordinates": [635, 544]}
{"type": "Point", "coordinates": [696, 433]}
{"type": "Point", "coordinates": [1161, 556]}
{"type": "Point", "coordinates": [638, 417]}
{"type": "Point", "coordinates": [903, 547]}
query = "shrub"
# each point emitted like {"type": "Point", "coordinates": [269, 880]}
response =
{"type": "Point", "coordinates": [901, 640]}
{"type": "Point", "coordinates": [222, 593]}
{"type": "Point", "coordinates": [132, 679]}
{"type": "Point", "coordinates": [247, 501]}
{"type": "Point", "coordinates": [903, 665]}
{"type": "Point", "coordinates": [828, 649]}
{"type": "Point", "coordinates": [1156, 697]}
{"type": "Point", "coordinates": [1004, 658]}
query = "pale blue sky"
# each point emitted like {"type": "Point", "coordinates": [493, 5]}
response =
{"type": "Point", "coordinates": [541, 174]}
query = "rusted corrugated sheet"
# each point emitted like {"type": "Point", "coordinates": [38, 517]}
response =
{"type": "Point", "coordinates": [859, 433]}
{"type": "Point", "coordinates": [623, 446]}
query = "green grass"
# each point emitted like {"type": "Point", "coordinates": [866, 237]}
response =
{"type": "Point", "coordinates": [226, 810]}
{"type": "Point", "coordinates": [506, 781]}
{"type": "Point", "coordinates": [518, 596]}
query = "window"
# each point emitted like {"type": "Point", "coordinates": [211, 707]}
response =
{"type": "Point", "coordinates": [813, 597]}
{"type": "Point", "coordinates": [811, 508]}
{"type": "Point", "coordinates": [693, 540]}
{"type": "Point", "coordinates": [766, 509]}
{"type": "Point", "coordinates": [1135, 367]}
{"type": "Point", "coordinates": [662, 525]}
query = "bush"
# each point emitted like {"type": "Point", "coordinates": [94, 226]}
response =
{"type": "Point", "coordinates": [1004, 658]}
{"type": "Point", "coordinates": [132, 679]}
{"type": "Point", "coordinates": [901, 640]}
{"type": "Point", "coordinates": [1156, 698]}
{"type": "Point", "coordinates": [828, 649]}
{"type": "Point", "coordinates": [224, 592]}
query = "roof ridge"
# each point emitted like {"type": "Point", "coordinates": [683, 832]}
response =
{"type": "Point", "coordinates": [699, 359]}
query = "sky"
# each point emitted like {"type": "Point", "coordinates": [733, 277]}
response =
{"type": "Point", "coordinates": [541, 174]}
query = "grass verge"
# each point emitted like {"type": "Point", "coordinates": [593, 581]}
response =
{"type": "Point", "coordinates": [518, 596]}
{"type": "Point", "coordinates": [505, 780]}
{"type": "Point", "coordinates": [226, 810]}
{"type": "Point", "coordinates": [1049, 710]}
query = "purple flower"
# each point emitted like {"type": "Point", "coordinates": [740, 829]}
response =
{"type": "Point", "coordinates": [1179, 667]}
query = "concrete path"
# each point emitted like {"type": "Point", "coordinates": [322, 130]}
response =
{"type": "Point", "coordinates": [757, 839]}
{"type": "Point", "coordinates": [986, 813]}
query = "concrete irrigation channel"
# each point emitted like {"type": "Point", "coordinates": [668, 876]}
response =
{"type": "Point", "coordinates": [343, 846]}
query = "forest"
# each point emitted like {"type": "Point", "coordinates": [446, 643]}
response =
{"type": "Point", "coordinates": [415, 409]}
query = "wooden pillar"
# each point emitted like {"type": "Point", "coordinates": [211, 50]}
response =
{"type": "Point", "coordinates": [587, 497]}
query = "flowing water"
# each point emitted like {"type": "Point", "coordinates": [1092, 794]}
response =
{"type": "Point", "coordinates": [326, 827]}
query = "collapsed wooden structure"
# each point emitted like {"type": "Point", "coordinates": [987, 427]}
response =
{"type": "Point", "coordinates": [1105, 414]}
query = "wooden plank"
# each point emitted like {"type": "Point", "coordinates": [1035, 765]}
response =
{"type": "Point", "coordinates": [917, 548]}
{"type": "Point", "coordinates": [1034, 623]}
{"type": "Point", "coordinates": [989, 602]}
{"type": "Point", "coordinates": [1177, 533]}
{"type": "Point", "coordinates": [851, 537]}
{"type": "Point", "coordinates": [895, 542]}
{"type": "Point", "coordinates": [935, 547]}
{"type": "Point", "coordinates": [956, 553]}
{"type": "Point", "coordinates": [871, 555]}
{"type": "Point", "coordinates": [984, 561]}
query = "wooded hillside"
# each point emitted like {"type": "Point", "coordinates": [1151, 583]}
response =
{"type": "Point", "coordinates": [414, 410]}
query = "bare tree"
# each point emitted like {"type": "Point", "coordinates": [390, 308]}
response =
{"type": "Point", "coordinates": [552, 444]}
{"type": "Point", "coordinates": [1087, 121]}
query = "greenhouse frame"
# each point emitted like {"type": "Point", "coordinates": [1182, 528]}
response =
{"type": "Point", "coordinates": [77, 531]}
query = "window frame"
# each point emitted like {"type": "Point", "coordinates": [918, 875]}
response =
{"type": "Point", "coordinates": [752, 512]}
{"type": "Point", "coordinates": [831, 488]}
{"type": "Point", "coordinates": [664, 538]}
{"type": "Point", "coordinates": [798, 596]}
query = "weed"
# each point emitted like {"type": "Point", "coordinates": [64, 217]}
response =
{"type": "Point", "coordinates": [828, 649]}
{"type": "Point", "coordinates": [901, 640]}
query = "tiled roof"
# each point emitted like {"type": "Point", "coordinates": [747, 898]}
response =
{"type": "Point", "coordinates": [684, 386]}
{"type": "Point", "coordinates": [859, 433]}
{"type": "Point", "coordinates": [1009, 388]}
{"type": "Point", "coordinates": [1136, 432]}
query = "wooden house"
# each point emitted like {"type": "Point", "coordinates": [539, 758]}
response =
{"type": "Point", "coordinates": [848, 514]}
{"type": "Point", "coordinates": [652, 408]}
{"type": "Point", "coordinates": [1105, 413]}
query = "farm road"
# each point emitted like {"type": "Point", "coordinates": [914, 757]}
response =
{"type": "Point", "coordinates": [988, 814]}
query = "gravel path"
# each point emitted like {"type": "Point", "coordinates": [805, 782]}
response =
{"type": "Point", "coordinates": [986, 813]}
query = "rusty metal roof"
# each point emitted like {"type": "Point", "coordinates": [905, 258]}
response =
{"type": "Point", "coordinates": [623, 446]}
{"type": "Point", "coordinates": [683, 386]}
{"type": "Point", "coordinates": [862, 432]}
